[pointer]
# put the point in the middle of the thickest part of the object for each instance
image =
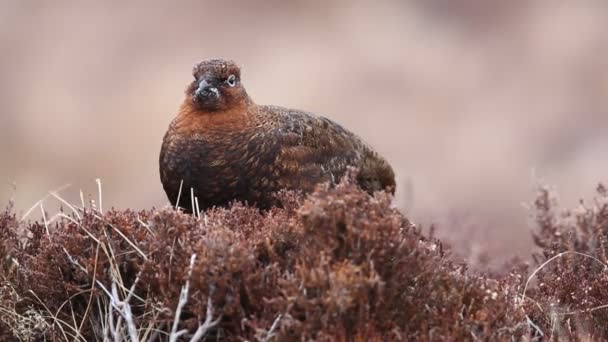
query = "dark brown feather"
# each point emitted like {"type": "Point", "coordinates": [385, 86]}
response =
{"type": "Point", "coordinates": [246, 152]}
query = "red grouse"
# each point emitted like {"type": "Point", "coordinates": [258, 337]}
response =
{"type": "Point", "coordinates": [225, 147]}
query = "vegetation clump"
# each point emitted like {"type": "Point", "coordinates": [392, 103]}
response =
{"type": "Point", "coordinates": [335, 265]}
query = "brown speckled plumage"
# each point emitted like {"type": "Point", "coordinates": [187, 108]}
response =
{"type": "Point", "coordinates": [227, 148]}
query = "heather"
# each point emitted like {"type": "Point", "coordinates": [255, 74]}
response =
{"type": "Point", "coordinates": [337, 264]}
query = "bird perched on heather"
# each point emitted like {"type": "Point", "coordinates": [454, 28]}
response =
{"type": "Point", "coordinates": [225, 147]}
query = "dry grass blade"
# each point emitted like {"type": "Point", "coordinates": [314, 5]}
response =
{"type": "Point", "coordinates": [179, 194]}
{"type": "Point", "coordinates": [143, 255]}
{"type": "Point", "coordinates": [67, 204]}
{"type": "Point", "coordinates": [30, 210]}
{"type": "Point", "coordinates": [193, 205]}
{"type": "Point", "coordinates": [98, 181]}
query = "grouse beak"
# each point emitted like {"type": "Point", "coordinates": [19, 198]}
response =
{"type": "Point", "coordinates": [205, 89]}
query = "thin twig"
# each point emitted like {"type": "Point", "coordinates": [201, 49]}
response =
{"type": "Point", "coordinates": [274, 326]}
{"type": "Point", "coordinates": [124, 308]}
{"type": "Point", "coordinates": [183, 299]}
{"type": "Point", "coordinates": [209, 323]}
{"type": "Point", "coordinates": [534, 326]}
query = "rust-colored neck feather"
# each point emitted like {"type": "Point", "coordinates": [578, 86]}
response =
{"type": "Point", "coordinates": [192, 119]}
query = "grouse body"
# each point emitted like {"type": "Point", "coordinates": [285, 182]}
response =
{"type": "Point", "coordinates": [223, 147]}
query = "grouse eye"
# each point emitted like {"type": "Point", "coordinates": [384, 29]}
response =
{"type": "Point", "coordinates": [231, 80]}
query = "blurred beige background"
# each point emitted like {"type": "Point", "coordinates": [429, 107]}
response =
{"type": "Point", "coordinates": [469, 99]}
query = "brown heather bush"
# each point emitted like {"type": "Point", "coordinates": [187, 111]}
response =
{"type": "Point", "coordinates": [336, 265]}
{"type": "Point", "coordinates": [570, 299]}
